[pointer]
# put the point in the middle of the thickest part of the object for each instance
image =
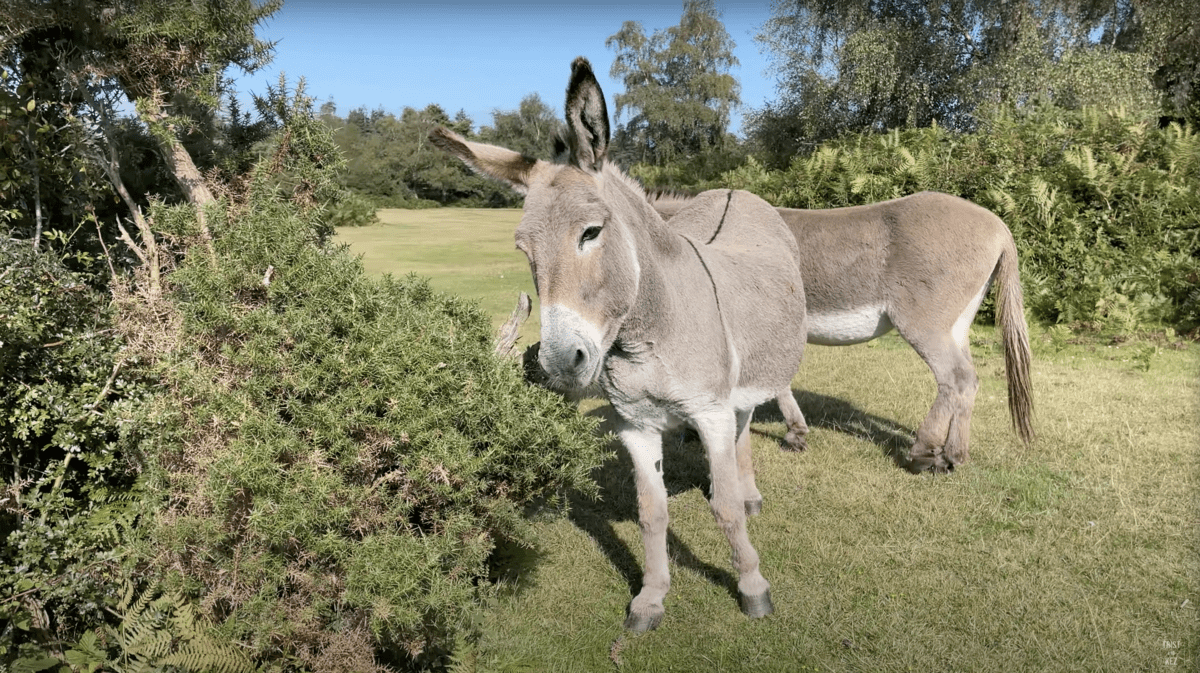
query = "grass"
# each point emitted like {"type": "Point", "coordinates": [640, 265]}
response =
{"type": "Point", "coordinates": [465, 251]}
{"type": "Point", "coordinates": [1079, 553]}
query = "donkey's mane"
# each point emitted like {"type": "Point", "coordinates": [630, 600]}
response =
{"type": "Point", "coordinates": [671, 194]}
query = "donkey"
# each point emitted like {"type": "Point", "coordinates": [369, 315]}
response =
{"type": "Point", "coordinates": [696, 323]}
{"type": "Point", "coordinates": [921, 264]}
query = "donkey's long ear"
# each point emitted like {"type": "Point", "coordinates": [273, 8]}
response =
{"type": "Point", "coordinates": [502, 164]}
{"type": "Point", "coordinates": [587, 117]}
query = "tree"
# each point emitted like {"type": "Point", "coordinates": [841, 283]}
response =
{"type": "Point", "coordinates": [168, 57]}
{"type": "Point", "coordinates": [530, 129]}
{"type": "Point", "coordinates": [678, 91]}
{"type": "Point", "coordinates": [869, 65]}
{"type": "Point", "coordinates": [1171, 35]}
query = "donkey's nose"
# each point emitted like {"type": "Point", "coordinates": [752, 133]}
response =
{"type": "Point", "coordinates": [570, 350]}
{"type": "Point", "coordinates": [565, 357]}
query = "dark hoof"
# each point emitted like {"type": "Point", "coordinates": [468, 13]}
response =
{"type": "Point", "coordinates": [640, 623]}
{"type": "Point", "coordinates": [753, 507]}
{"type": "Point", "coordinates": [794, 442]}
{"type": "Point", "coordinates": [931, 463]}
{"type": "Point", "coordinates": [757, 606]}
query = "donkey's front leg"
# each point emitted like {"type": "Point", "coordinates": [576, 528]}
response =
{"type": "Point", "coordinates": [645, 448]}
{"type": "Point", "coordinates": [745, 462]}
{"type": "Point", "coordinates": [718, 431]}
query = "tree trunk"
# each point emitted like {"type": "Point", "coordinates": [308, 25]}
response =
{"type": "Point", "coordinates": [181, 165]}
{"type": "Point", "coordinates": [111, 165]}
{"type": "Point", "coordinates": [187, 175]}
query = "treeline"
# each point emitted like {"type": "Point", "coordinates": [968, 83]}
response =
{"type": "Point", "coordinates": [390, 162]}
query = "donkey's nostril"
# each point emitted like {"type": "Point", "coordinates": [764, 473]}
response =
{"type": "Point", "coordinates": [580, 358]}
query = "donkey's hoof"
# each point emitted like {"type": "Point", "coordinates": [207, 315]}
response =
{"type": "Point", "coordinates": [922, 458]}
{"type": "Point", "coordinates": [754, 507]}
{"type": "Point", "coordinates": [757, 606]}
{"type": "Point", "coordinates": [794, 442]}
{"type": "Point", "coordinates": [646, 620]}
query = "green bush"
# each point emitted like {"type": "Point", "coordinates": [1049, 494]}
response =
{"type": "Point", "coordinates": [351, 210]}
{"type": "Point", "coordinates": [1105, 207]}
{"type": "Point", "coordinates": [336, 456]}
{"type": "Point", "coordinates": [274, 462]}
{"type": "Point", "coordinates": [67, 499]}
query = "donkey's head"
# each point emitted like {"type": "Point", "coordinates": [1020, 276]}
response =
{"type": "Point", "coordinates": [575, 231]}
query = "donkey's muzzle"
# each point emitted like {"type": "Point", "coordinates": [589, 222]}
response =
{"type": "Point", "coordinates": [570, 350]}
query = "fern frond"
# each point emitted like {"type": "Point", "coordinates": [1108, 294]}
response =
{"type": "Point", "coordinates": [208, 655]}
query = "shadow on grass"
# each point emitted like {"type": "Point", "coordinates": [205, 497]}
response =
{"type": "Point", "coordinates": [831, 413]}
{"type": "Point", "coordinates": [685, 467]}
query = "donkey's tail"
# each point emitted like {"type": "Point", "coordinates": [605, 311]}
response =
{"type": "Point", "coordinates": [1010, 318]}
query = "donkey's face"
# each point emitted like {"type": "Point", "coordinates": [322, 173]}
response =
{"type": "Point", "coordinates": [585, 269]}
{"type": "Point", "coordinates": [574, 232]}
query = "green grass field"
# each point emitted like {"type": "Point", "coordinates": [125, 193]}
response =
{"type": "Point", "coordinates": [1079, 553]}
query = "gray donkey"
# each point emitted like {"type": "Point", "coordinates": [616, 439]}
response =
{"type": "Point", "coordinates": [921, 264]}
{"type": "Point", "coordinates": [696, 323]}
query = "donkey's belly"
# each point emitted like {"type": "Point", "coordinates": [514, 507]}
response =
{"type": "Point", "coordinates": [850, 326]}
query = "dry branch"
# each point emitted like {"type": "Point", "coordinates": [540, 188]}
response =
{"type": "Point", "coordinates": [510, 331]}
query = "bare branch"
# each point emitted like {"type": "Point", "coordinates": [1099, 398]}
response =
{"type": "Point", "coordinates": [510, 331]}
{"type": "Point", "coordinates": [129, 242]}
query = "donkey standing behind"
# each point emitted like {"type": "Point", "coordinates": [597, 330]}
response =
{"type": "Point", "coordinates": [921, 264]}
{"type": "Point", "coordinates": [697, 323]}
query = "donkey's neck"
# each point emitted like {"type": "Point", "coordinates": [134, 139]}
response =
{"type": "Point", "coordinates": [675, 302]}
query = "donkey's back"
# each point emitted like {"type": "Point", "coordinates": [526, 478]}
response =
{"type": "Point", "coordinates": [753, 262]}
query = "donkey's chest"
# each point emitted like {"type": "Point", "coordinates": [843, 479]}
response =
{"type": "Point", "coordinates": [655, 392]}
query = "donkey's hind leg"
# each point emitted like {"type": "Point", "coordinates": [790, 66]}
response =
{"type": "Point", "coordinates": [750, 495]}
{"type": "Point", "coordinates": [718, 432]}
{"type": "Point", "coordinates": [944, 435]}
{"type": "Point", "coordinates": [794, 440]}
{"type": "Point", "coordinates": [645, 449]}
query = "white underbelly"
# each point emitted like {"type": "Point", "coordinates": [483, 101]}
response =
{"type": "Point", "coordinates": [842, 328]}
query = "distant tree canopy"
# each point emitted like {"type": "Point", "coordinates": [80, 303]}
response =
{"type": "Point", "coordinates": [390, 161]}
{"type": "Point", "coordinates": [530, 129]}
{"type": "Point", "coordinates": [678, 90]}
{"type": "Point", "coordinates": [851, 65]}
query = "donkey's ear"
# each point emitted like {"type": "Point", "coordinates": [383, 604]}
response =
{"type": "Point", "coordinates": [587, 117]}
{"type": "Point", "coordinates": [560, 147]}
{"type": "Point", "coordinates": [512, 168]}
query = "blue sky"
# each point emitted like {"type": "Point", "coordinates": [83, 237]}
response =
{"type": "Point", "coordinates": [476, 56]}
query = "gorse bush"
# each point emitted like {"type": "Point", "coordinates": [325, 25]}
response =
{"type": "Point", "coordinates": [336, 456]}
{"type": "Point", "coordinates": [1105, 207]}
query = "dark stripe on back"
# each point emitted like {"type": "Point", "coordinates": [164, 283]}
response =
{"type": "Point", "coordinates": [711, 280]}
{"type": "Point", "coordinates": [721, 223]}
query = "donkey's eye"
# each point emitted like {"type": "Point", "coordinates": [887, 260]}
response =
{"type": "Point", "coordinates": [589, 234]}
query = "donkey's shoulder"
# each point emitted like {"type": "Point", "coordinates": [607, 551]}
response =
{"type": "Point", "coordinates": [731, 217]}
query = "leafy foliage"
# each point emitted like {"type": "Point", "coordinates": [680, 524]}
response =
{"type": "Point", "coordinates": [1104, 206]}
{"type": "Point", "coordinates": [334, 456]}
{"type": "Point", "coordinates": [66, 507]}
{"type": "Point", "coordinates": [858, 66]}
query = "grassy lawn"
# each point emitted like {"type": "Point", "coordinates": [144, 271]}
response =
{"type": "Point", "coordinates": [466, 251]}
{"type": "Point", "coordinates": [1079, 553]}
